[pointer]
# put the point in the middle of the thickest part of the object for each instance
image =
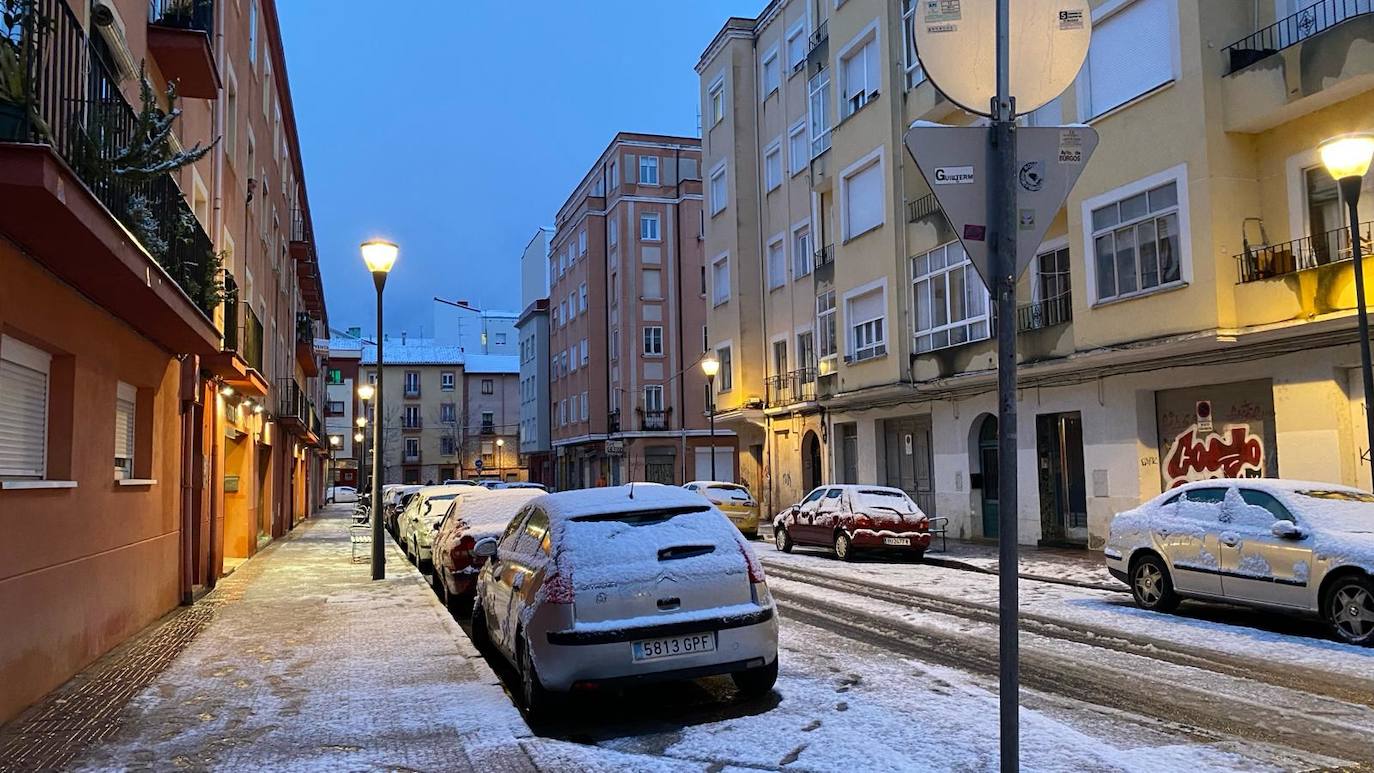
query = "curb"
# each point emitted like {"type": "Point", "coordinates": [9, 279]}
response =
{"type": "Point", "coordinates": [963, 566]}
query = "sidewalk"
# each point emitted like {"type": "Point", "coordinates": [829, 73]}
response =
{"type": "Point", "coordinates": [296, 661]}
{"type": "Point", "coordinates": [1065, 566]}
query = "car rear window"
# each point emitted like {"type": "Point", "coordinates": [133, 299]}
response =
{"type": "Point", "coordinates": [885, 500]}
{"type": "Point", "coordinates": [1339, 496]}
{"type": "Point", "coordinates": [729, 493]}
{"type": "Point", "coordinates": [639, 517]}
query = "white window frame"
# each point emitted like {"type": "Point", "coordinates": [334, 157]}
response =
{"type": "Point", "coordinates": [719, 202]}
{"type": "Point", "coordinates": [802, 260]}
{"type": "Point", "coordinates": [876, 156]}
{"type": "Point", "coordinates": [412, 442]}
{"type": "Point", "coordinates": [776, 271]}
{"type": "Point", "coordinates": [796, 64]}
{"type": "Point", "coordinates": [586, 353]}
{"type": "Point", "coordinates": [855, 47]}
{"type": "Point", "coordinates": [655, 389]}
{"type": "Point", "coordinates": [772, 178]}
{"type": "Point", "coordinates": [716, 89]}
{"type": "Point", "coordinates": [821, 317]}
{"type": "Point", "coordinates": [652, 341]}
{"type": "Point", "coordinates": [1177, 175]}
{"type": "Point", "coordinates": [911, 64]}
{"type": "Point", "coordinates": [648, 164]}
{"type": "Point", "coordinates": [582, 297]}
{"type": "Point", "coordinates": [797, 158]}
{"type": "Point", "coordinates": [720, 292]}
{"type": "Point", "coordinates": [582, 242]}
{"type": "Point", "coordinates": [965, 328]}
{"type": "Point", "coordinates": [725, 378]}
{"type": "Point", "coordinates": [646, 218]}
{"type": "Point", "coordinates": [816, 86]}
{"type": "Point", "coordinates": [870, 350]}
{"type": "Point", "coordinates": [770, 59]}
{"type": "Point", "coordinates": [1082, 85]}
{"type": "Point", "coordinates": [35, 359]}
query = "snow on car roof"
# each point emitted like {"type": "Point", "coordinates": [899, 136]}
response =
{"type": "Point", "coordinates": [487, 513]}
{"type": "Point", "coordinates": [1267, 484]}
{"type": "Point", "coordinates": [566, 505]}
{"type": "Point", "coordinates": [437, 491]}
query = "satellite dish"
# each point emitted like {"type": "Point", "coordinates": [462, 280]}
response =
{"type": "Point", "coordinates": [956, 41]}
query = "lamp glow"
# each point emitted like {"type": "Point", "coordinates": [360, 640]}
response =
{"type": "Point", "coordinates": [257, 408]}
{"type": "Point", "coordinates": [500, 442]}
{"type": "Point", "coordinates": [1347, 155]}
{"type": "Point", "coordinates": [366, 391]}
{"type": "Point", "coordinates": [227, 391]}
{"type": "Point", "coordinates": [710, 365]}
{"type": "Point", "coordinates": [335, 440]}
{"type": "Point", "coordinates": [358, 437]}
{"type": "Point", "coordinates": [379, 255]}
{"type": "Point", "coordinates": [361, 421]}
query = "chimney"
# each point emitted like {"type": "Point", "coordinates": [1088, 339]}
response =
{"type": "Point", "coordinates": [403, 338]}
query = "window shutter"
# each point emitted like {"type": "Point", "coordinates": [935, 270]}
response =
{"type": "Point", "coordinates": [1131, 53]}
{"type": "Point", "coordinates": [854, 74]}
{"type": "Point", "coordinates": [872, 75]}
{"type": "Point", "coordinates": [23, 409]}
{"type": "Point", "coordinates": [864, 200]}
{"type": "Point", "coordinates": [125, 401]}
{"type": "Point", "coordinates": [631, 168]}
{"type": "Point", "coordinates": [866, 307]}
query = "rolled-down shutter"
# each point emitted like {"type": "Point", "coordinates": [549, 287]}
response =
{"type": "Point", "coordinates": [125, 402]}
{"type": "Point", "coordinates": [23, 409]}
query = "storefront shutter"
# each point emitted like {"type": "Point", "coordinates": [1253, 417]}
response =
{"type": "Point", "coordinates": [23, 409]}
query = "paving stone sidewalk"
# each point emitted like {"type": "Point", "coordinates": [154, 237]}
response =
{"type": "Point", "coordinates": [297, 661]}
{"type": "Point", "coordinates": [1066, 566]}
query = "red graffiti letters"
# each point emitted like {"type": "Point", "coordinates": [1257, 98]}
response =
{"type": "Point", "coordinates": [1215, 456]}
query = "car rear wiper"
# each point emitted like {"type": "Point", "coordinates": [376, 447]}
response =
{"type": "Point", "coordinates": [685, 551]}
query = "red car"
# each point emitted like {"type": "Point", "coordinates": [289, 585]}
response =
{"type": "Point", "coordinates": [471, 516]}
{"type": "Point", "coordinates": [850, 518]}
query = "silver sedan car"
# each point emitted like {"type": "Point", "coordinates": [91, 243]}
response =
{"type": "Point", "coordinates": [630, 584]}
{"type": "Point", "coordinates": [1277, 544]}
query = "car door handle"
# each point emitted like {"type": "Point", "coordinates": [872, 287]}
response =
{"type": "Point", "coordinates": [1230, 540]}
{"type": "Point", "coordinates": [1163, 532]}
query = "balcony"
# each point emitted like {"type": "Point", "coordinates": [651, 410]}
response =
{"type": "Point", "coordinates": [1314, 58]}
{"type": "Point", "coordinates": [654, 420]}
{"type": "Point", "coordinates": [791, 388]}
{"type": "Point", "coordinates": [825, 256]}
{"type": "Point", "coordinates": [613, 423]}
{"type": "Point", "coordinates": [411, 456]}
{"type": "Point", "coordinates": [239, 362]}
{"type": "Point", "coordinates": [179, 33]}
{"type": "Point", "coordinates": [131, 245]}
{"type": "Point", "coordinates": [1040, 315]}
{"type": "Point", "coordinates": [488, 429]}
{"type": "Point", "coordinates": [293, 408]}
{"type": "Point", "coordinates": [305, 344]}
{"type": "Point", "coordinates": [922, 208]}
{"type": "Point", "coordinates": [1269, 262]}
{"type": "Point", "coordinates": [412, 424]}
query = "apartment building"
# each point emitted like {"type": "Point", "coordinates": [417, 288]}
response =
{"type": "Point", "coordinates": [422, 402]}
{"type": "Point", "coordinates": [343, 373]}
{"type": "Point", "coordinates": [473, 329]}
{"type": "Point", "coordinates": [156, 432]}
{"type": "Point", "coordinates": [490, 426]}
{"type": "Point", "coordinates": [1189, 314]}
{"type": "Point", "coordinates": [532, 329]}
{"type": "Point", "coordinates": [627, 320]}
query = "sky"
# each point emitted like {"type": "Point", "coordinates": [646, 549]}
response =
{"type": "Point", "coordinates": [457, 127]}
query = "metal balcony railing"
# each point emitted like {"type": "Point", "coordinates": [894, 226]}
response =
{"type": "Point", "coordinates": [1306, 23]}
{"type": "Point", "coordinates": [291, 401]}
{"type": "Point", "coordinates": [792, 387]}
{"type": "Point", "coordinates": [488, 429]}
{"type": "Point", "coordinates": [654, 420]}
{"type": "Point", "coordinates": [1042, 314]}
{"type": "Point", "coordinates": [300, 227]}
{"type": "Point", "coordinates": [825, 255]}
{"type": "Point", "coordinates": [305, 328]}
{"type": "Point", "coordinates": [1266, 262]}
{"type": "Point", "coordinates": [923, 207]}
{"type": "Point", "coordinates": [821, 35]}
{"type": "Point", "coordinates": [414, 422]}
{"type": "Point", "coordinates": [183, 14]}
{"type": "Point", "coordinates": [68, 98]}
{"type": "Point", "coordinates": [613, 422]}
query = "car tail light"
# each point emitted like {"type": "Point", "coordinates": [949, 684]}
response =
{"type": "Point", "coordinates": [862, 521]}
{"type": "Point", "coordinates": [462, 552]}
{"type": "Point", "coordinates": [558, 589]}
{"type": "Point", "coordinates": [752, 563]}
{"type": "Point", "coordinates": [923, 525]}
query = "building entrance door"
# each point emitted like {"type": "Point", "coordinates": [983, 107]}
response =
{"type": "Point", "coordinates": [811, 461]}
{"type": "Point", "coordinates": [906, 445]}
{"type": "Point", "coordinates": [987, 462]}
{"type": "Point", "coordinates": [1063, 493]}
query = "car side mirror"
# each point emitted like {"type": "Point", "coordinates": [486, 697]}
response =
{"type": "Point", "coordinates": [428, 506]}
{"type": "Point", "coordinates": [1286, 530]}
{"type": "Point", "coordinates": [485, 547]}
{"type": "Point", "coordinates": [438, 525]}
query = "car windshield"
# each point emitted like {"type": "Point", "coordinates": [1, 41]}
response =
{"type": "Point", "coordinates": [884, 500]}
{"type": "Point", "coordinates": [639, 517]}
{"type": "Point", "coordinates": [727, 493]}
{"type": "Point", "coordinates": [1338, 509]}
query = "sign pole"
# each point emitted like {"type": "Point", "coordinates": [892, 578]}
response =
{"type": "Point", "coordinates": [1003, 220]}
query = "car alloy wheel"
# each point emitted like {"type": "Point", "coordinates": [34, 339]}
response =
{"type": "Point", "coordinates": [1350, 610]}
{"type": "Point", "coordinates": [842, 547]}
{"type": "Point", "coordinates": [536, 698]}
{"type": "Point", "coordinates": [782, 539]}
{"type": "Point", "coordinates": [1151, 587]}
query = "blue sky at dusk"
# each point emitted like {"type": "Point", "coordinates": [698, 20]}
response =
{"type": "Point", "coordinates": [456, 127]}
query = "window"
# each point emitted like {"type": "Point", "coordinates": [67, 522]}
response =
{"type": "Point", "coordinates": [725, 379]}
{"type": "Point", "coordinates": [448, 413]}
{"type": "Point", "coordinates": [571, 354]}
{"type": "Point", "coordinates": [335, 376]}
{"type": "Point", "coordinates": [500, 339]}
{"type": "Point", "coordinates": [412, 382]}
{"type": "Point", "coordinates": [866, 314]}
{"type": "Point", "coordinates": [796, 48]}
{"type": "Point", "coordinates": [586, 353]}
{"type": "Point", "coordinates": [231, 118]}
{"type": "Point", "coordinates": [562, 263]}
{"type": "Point", "coordinates": [585, 413]}
{"type": "Point", "coordinates": [653, 398]}
{"type": "Point", "coordinates": [1052, 275]}
{"type": "Point", "coordinates": [1132, 52]}
{"type": "Point", "coordinates": [720, 280]}
{"type": "Point", "coordinates": [651, 284]}
{"type": "Point", "coordinates": [563, 312]}
{"type": "Point", "coordinates": [554, 313]}
{"type": "Point", "coordinates": [582, 297]}
{"type": "Point", "coordinates": [1136, 242]}
{"type": "Point", "coordinates": [914, 73]}
{"type": "Point", "coordinates": [653, 340]}
{"type": "Point", "coordinates": [825, 325]}
{"type": "Point", "coordinates": [715, 100]}
{"type": "Point", "coordinates": [446, 380]}
{"type": "Point", "coordinates": [648, 227]}
{"type": "Point", "coordinates": [806, 351]}
{"type": "Point", "coordinates": [777, 263]}
{"type": "Point", "coordinates": [719, 194]}
{"type": "Point", "coordinates": [614, 174]}
{"type": "Point", "coordinates": [334, 408]}
{"type": "Point", "coordinates": [859, 75]}
{"type": "Point", "coordinates": [582, 242]}
{"type": "Point", "coordinates": [818, 111]}
{"type": "Point", "coordinates": [772, 74]}
{"type": "Point", "coordinates": [488, 386]}
{"type": "Point", "coordinates": [772, 166]}
{"type": "Point", "coordinates": [253, 32]}
{"type": "Point", "coordinates": [613, 233]}
{"type": "Point", "coordinates": [488, 422]}
{"type": "Point", "coordinates": [410, 419]}
{"type": "Point", "coordinates": [572, 305]}
{"type": "Point", "coordinates": [648, 170]}
{"type": "Point", "coordinates": [950, 301]}
{"type": "Point", "coordinates": [412, 449]}
{"type": "Point", "coordinates": [126, 402]}
{"type": "Point", "coordinates": [796, 148]}
{"type": "Point", "coordinates": [615, 344]}
{"type": "Point", "coordinates": [801, 251]}
{"type": "Point", "coordinates": [780, 356]}
{"type": "Point", "coordinates": [447, 446]}
{"type": "Point", "coordinates": [1259, 498]}
{"type": "Point", "coordinates": [861, 195]}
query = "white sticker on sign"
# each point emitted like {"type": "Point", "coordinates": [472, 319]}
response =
{"type": "Point", "coordinates": [954, 175]}
{"type": "Point", "coordinates": [1070, 146]}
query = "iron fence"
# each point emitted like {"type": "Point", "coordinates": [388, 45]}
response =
{"type": "Point", "coordinates": [196, 15]}
{"type": "Point", "coordinates": [1266, 262]}
{"type": "Point", "coordinates": [1045, 313]}
{"type": "Point", "coordinates": [1295, 28]}
{"type": "Point", "coordinates": [790, 388]}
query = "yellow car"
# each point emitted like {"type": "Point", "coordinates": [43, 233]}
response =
{"type": "Point", "coordinates": [734, 500]}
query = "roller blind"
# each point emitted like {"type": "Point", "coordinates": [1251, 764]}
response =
{"type": "Point", "coordinates": [866, 307]}
{"type": "Point", "coordinates": [125, 405]}
{"type": "Point", "coordinates": [863, 200]}
{"type": "Point", "coordinates": [1132, 52]}
{"type": "Point", "coordinates": [23, 409]}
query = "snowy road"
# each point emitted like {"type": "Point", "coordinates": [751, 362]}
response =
{"type": "Point", "coordinates": [893, 666]}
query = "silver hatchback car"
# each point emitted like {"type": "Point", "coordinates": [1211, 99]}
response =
{"type": "Point", "coordinates": [1286, 545]}
{"type": "Point", "coordinates": [621, 585]}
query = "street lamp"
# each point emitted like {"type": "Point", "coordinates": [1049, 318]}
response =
{"type": "Point", "coordinates": [500, 468]}
{"type": "Point", "coordinates": [711, 366]}
{"type": "Point", "coordinates": [1347, 159]}
{"type": "Point", "coordinates": [361, 421]}
{"type": "Point", "coordinates": [365, 392]}
{"type": "Point", "coordinates": [380, 256]}
{"type": "Point", "coordinates": [334, 442]}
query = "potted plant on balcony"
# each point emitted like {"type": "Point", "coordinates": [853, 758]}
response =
{"type": "Point", "coordinates": [20, 25]}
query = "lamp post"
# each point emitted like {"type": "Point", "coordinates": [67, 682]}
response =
{"type": "Point", "coordinates": [500, 444]}
{"type": "Point", "coordinates": [711, 366]}
{"type": "Point", "coordinates": [380, 256]}
{"type": "Point", "coordinates": [361, 424]}
{"type": "Point", "coordinates": [334, 442]}
{"type": "Point", "coordinates": [1347, 159]}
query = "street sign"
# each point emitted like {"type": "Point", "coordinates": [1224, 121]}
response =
{"type": "Point", "coordinates": [615, 447]}
{"type": "Point", "coordinates": [955, 161]}
{"type": "Point", "coordinates": [957, 46]}
{"type": "Point", "coordinates": [478, 465]}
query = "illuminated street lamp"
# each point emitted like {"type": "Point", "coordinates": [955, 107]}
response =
{"type": "Point", "coordinates": [358, 437]}
{"type": "Point", "coordinates": [380, 256]}
{"type": "Point", "coordinates": [334, 442]}
{"type": "Point", "coordinates": [1347, 159]}
{"type": "Point", "coordinates": [361, 421]}
{"type": "Point", "coordinates": [710, 365]}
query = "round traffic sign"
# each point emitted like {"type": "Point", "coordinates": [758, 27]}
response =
{"type": "Point", "coordinates": [956, 41]}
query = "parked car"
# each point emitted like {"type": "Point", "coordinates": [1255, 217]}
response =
{"type": "Point", "coordinates": [472, 516]}
{"type": "Point", "coordinates": [523, 484]}
{"type": "Point", "coordinates": [394, 499]}
{"type": "Point", "coordinates": [461, 482]}
{"type": "Point", "coordinates": [732, 499]}
{"type": "Point", "coordinates": [341, 494]}
{"type": "Point", "coordinates": [624, 584]}
{"type": "Point", "coordinates": [851, 518]}
{"type": "Point", "coordinates": [415, 525]}
{"type": "Point", "coordinates": [1275, 544]}
{"type": "Point", "coordinates": [489, 483]}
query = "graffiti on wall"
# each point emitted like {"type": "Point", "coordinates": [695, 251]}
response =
{"type": "Point", "coordinates": [1235, 452]}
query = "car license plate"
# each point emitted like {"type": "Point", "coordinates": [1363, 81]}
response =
{"type": "Point", "coordinates": [896, 541]}
{"type": "Point", "coordinates": [674, 646]}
